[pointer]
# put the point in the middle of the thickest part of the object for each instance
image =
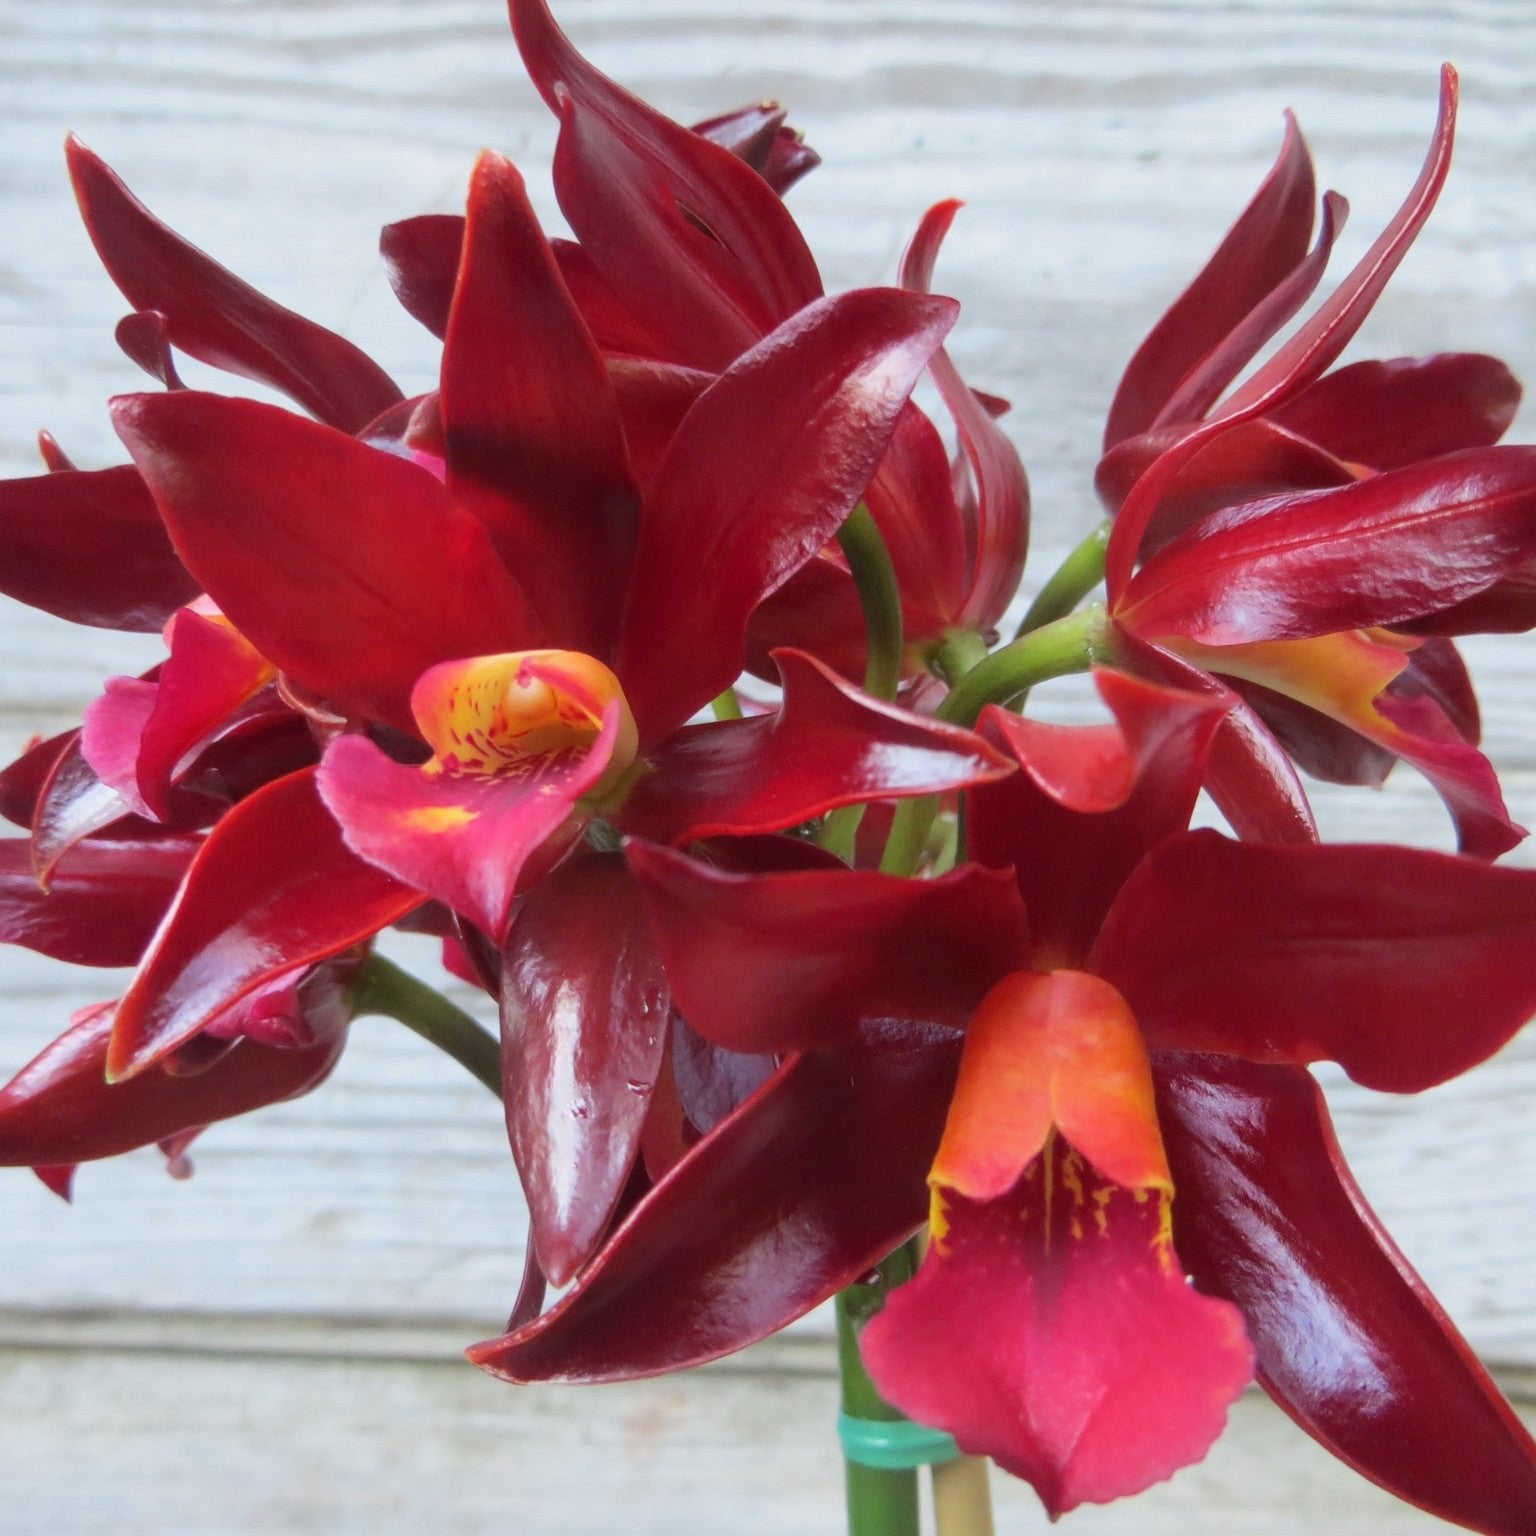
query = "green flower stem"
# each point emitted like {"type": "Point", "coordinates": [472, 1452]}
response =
{"type": "Point", "coordinates": [384, 988]}
{"type": "Point", "coordinates": [956, 654]}
{"type": "Point", "coordinates": [909, 835]}
{"type": "Point", "coordinates": [879, 1503]}
{"type": "Point", "coordinates": [875, 577]}
{"type": "Point", "coordinates": [1071, 644]}
{"type": "Point", "coordinates": [726, 706]}
{"type": "Point", "coordinates": [1074, 579]}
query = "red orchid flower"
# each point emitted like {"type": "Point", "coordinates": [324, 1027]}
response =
{"type": "Point", "coordinates": [1210, 970]}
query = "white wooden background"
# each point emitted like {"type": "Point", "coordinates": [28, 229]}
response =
{"type": "Point", "coordinates": [272, 1347]}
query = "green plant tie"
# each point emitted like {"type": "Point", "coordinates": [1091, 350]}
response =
{"type": "Point", "coordinates": [894, 1445]}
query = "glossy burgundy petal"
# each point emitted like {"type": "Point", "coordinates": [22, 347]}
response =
{"type": "Point", "coordinates": [144, 337]}
{"type": "Point", "coordinates": [758, 135]}
{"type": "Point", "coordinates": [22, 781]}
{"type": "Point", "coordinates": [653, 398]}
{"type": "Point", "coordinates": [60, 1109]}
{"type": "Point", "coordinates": [1404, 966]}
{"type": "Point", "coordinates": [1268, 240]}
{"type": "Point", "coordinates": [999, 533]}
{"type": "Point", "coordinates": [421, 256]}
{"type": "Point", "coordinates": [1508, 607]}
{"type": "Point", "coordinates": [1318, 745]}
{"type": "Point", "coordinates": [74, 803]}
{"type": "Point", "coordinates": [762, 472]}
{"type": "Point", "coordinates": [216, 317]}
{"type": "Point", "coordinates": [1313, 348]}
{"type": "Point", "coordinates": [1089, 802]}
{"type": "Point", "coordinates": [1248, 774]}
{"type": "Point", "coordinates": [88, 546]}
{"type": "Point", "coordinates": [469, 840]}
{"type": "Point", "coordinates": [614, 325]}
{"type": "Point", "coordinates": [1350, 1342]}
{"type": "Point", "coordinates": [103, 903]}
{"type": "Point", "coordinates": [1436, 671]}
{"type": "Point", "coordinates": [689, 236]}
{"type": "Point", "coordinates": [828, 745]}
{"type": "Point", "coordinates": [1381, 551]}
{"type": "Point", "coordinates": [272, 890]}
{"type": "Point", "coordinates": [531, 430]}
{"type": "Point", "coordinates": [344, 565]}
{"type": "Point", "coordinates": [807, 1186]}
{"type": "Point", "coordinates": [584, 1008]}
{"type": "Point", "coordinates": [1043, 1324]}
{"type": "Point", "coordinates": [798, 961]}
{"type": "Point", "coordinates": [1249, 463]}
{"type": "Point", "coordinates": [1387, 414]}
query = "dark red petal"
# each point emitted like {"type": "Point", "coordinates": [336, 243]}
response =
{"type": "Point", "coordinates": [1380, 551]}
{"type": "Point", "coordinates": [21, 782]}
{"type": "Point", "coordinates": [1268, 240]}
{"type": "Point", "coordinates": [88, 546]}
{"type": "Point", "coordinates": [272, 890]}
{"type": "Point", "coordinates": [816, 611]}
{"type": "Point", "coordinates": [1089, 802]}
{"type": "Point", "coordinates": [757, 134]}
{"type": "Point", "coordinates": [1508, 607]}
{"type": "Point", "coordinates": [1319, 745]}
{"type": "Point", "coordinates": [1043, 1325]}
{"type": "Point", "coordinates": [1248, 774]}
{"type": "Point", "coordinates": [584, 1008]}
{"type": "Point", "coordinates": [653, 398]}
{"type": "Point", "coordinates": [999, 533]}
{"type": "Point", "coordinates": [53, 456]}
{"type": "Point", "coordinates": [216, 317]}
{"type": "Point", "coordinates": [798, 961]}
{"type": "Point", "coordinates": [421, 257]}
{"type": "Point", "coordinates": [762, 472]}
{"type": "Point", "coordinates": [534, 447]}
{"type": "Point", "coordinates": [807, 1186]}
{"type": "Point", "coordinates": [74, 803]}
{"type": "Point", "coordinates": [615, 327]}
{"type": "Point", "coordinates": [1350, 1342]}
{"type": "Point", "coordinates": [1387, 414]}
{"type": "Point", "coordinates": [469, 840]}
{"type": "Point", "coordinates": [829, 745]}
{"type": "Point", "coordinates": [1436, 671]}
{"type": "Point", "coordinates": [1405, 967]}
{"type": "Point", "coordinates": [345, 565]}
{"type": "Point", "coordinates": [60, 1109]}
{"type": "Point", "coordinates": [144, 337]}
{"type": "Point", "coordinates": [1314, 347]}
{"type": "Point", "coordinates": [687, 235]}
{"type": "Point", "coordinates": [103, 904]}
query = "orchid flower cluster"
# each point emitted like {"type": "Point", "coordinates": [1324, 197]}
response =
{"type": "Point", "coordinates": [873, 951]}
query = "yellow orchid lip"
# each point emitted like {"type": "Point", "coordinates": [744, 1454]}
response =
{"type": "Point", "coordinates": [498, 715]}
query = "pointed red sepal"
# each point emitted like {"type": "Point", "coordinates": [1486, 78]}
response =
{"type": "Point", "coordinates": [687, 235]}
{"type": "Point", "coordinates": [1350, 1342]}
{"type": "Point", "coordinates": [1052, 1329]}
{"type": "Point", "coordinates": [584, 1007]}
{"type": "Point", "coordinates": [144, 338]}
{"type": "Point", "coordinates": [1381, 551]}
{"type": "Point", "coordinates": [798, 961]}
{"type": "Point", "coordinates": [1391, 413]}
{"type": "Point", "coordinates": [88, 546]}
{"type": "Point", "coordinates": [763, 470]}
{"type": "Point", "coordinates": [535, 451]}
{"type": "Point", "coordinates": [998, 504]}
{"type": "Point", "coordinates": [22, 781]}
{"type": "Point", "coordinates": [808, 1185]}
{"type": "Point", "coordinates": [464, 838]}
{"type": "Point", "coordinates": [104, 901]}
{"type": "Point", "coordinates": [421, 258]}
{"type": "Point", "coordinates": [74, 803]}
{"type": "Point", "coordinates": [60, 1108]}
{"type": "Point", "coordinates": [829, 745]}
{"type": "Point", "coordinates": [1089, 802]}
{"type": "Point", "coordinates": [757, 134]}
{"type": "Point", "coordinates": [214, 315]}
{"type": "Point", "coordinates": [348, 567]}
{"type": "Point", "coordinates": [272, 890]}
{"type": "Point", "coordinates": [1266, 243]}
{"type": "Point", "coordinates": [1405, 967]}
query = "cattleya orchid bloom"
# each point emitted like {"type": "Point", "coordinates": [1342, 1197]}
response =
{"type": "Point", "coordinates": [440, 663]}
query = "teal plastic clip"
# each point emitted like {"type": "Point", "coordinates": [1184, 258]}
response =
{"type": "Point", "coordinates": [893, 1445]}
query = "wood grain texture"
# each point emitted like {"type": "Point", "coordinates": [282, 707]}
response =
{"type": "Point", "coordinates": [1102, 146]}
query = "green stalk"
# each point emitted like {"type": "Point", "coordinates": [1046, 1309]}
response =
{"type": "Point", "coordinates": [1071, 644]}
{"type": "Point", "coordinates": [956, 654]}
{"type": "Point", "coordinates": [384, 988]}
{"type": "Point", "coordinates": [1074, 579]}
{"type": "Point", "coordinates": [879, 1503]}
{"type": "Point", "coordinates": [726, 706]}
{"type": "Point", "coordinates": [869, 561]}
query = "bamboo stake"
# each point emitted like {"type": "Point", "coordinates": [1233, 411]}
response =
{"type": "Point", "coordinates": [962, 1497]}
